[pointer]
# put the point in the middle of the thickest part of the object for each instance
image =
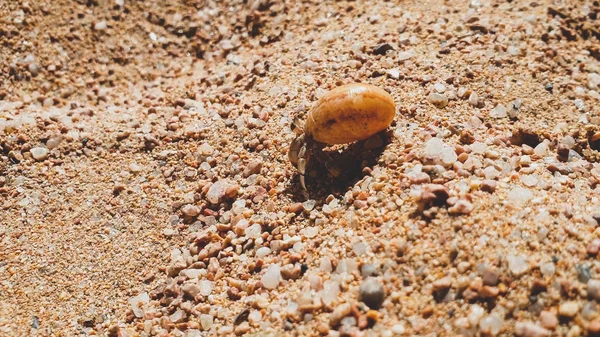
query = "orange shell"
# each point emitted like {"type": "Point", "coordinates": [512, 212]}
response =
{"type": "Point", "coordinates": [350, 113]}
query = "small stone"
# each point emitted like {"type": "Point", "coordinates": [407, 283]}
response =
{"type": "Point", "coordinates": [519, 195]}
{"type": "Point", "coordinates": [475, 314]}
{"type": "Point", "coordinates": [206, 287]}
{"type": "Point", "coordinates": [473, 99]}
{"type": "Point", "coordinates": [206, 321]}
{"type": "Point", "coordinates": [548, 320]}
{"type": "Point", "coordinates": [394, 73]}
{"type": "Point", "coordinates": [491, 325]}
{"type": "Point", "coordinates": [498, 112]}
{"type": "Point", "coordinates": [574, 331]}
{"type": "Point", "coordinates": [190, 210]}
{"type": "Point", "coordinates": [39, 153]}
{"type": "Point", "coordinates": [405, 55]}
{"type": "Point", "coordinates": [541, 149]}
{"type": "Point", "coordinates": [442, 284]}
{"type": "Point", "coordinates": [398, 329]}
{"type": "Point", "coordinates": [295, 207]}
{"type": "Point", "coordinates": [461, 207]}
{"type": "Point", "coordinates": [331, 289]}
{"type": "Point", "coordinates": [547, 269]}
{"type": "Point", "coordinates": [271, 278]}
{"type": "Point", "coordinates": [517, 265]}
{"type": "Point", "coordinates": [100, 25]}
{"type": "Point", "coordinates": [262, 252]}
{"type": "Point", "coordinates": [253, 167]}
{"type": "Point", "coordinates": [568, 309]}
{"type": "Point", "coordinates": [368, 269]}
{"type": "Point", "coordinates": [490, 276]}
{"type": "Point", "coordinates": [216, 192]}
{"type": "Point", "coordinates": [382, 49]}
{"type": "Point", "coordinates": [593, 289]}
{"type": "Point", "coordinates": [33, 68]}
{"type": "Point", "coordinates": [190, 289]}
{"type": "Point", "coordinates": [177, 264]}
{"type": "Point", "coordinates": [593, 247]}
{"type": "Point", "coordinates": [594, 328]}
{"type": "Point", "coordinates": [488, 186]}
{"type": "Point", "coordinates": [339, 313]}
{"type": "Point", "coordinates": [137, 304]}
{"type": "Point", "coordinates": [584, 273]}
{"type": "Point", "coordinates": [528, 329]}
{"type": "Point", "coordinates": [254, 231]}
{"type": "Point", "coordinates": [438, 100]}
{"type": "Point", "coordinates": [372, 293]}
{"type": "Point", "coordinates": [433, 195]}
{"type": "Point", "coordinates": [439, 87]}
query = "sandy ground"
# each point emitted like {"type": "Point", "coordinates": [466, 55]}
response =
{"type": "Point", "coordinates": [145, 187]}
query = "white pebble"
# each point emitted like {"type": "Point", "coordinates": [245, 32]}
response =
{"type": "Point", "coordinates": [262, 252]}
{"type": "Point", "coordinates": [100, 25]}
{"type": "Point", "coordinates": [541, 149]}
{"type": "Point", "coordinates": [39, 153]}
{"type": "Point", "coordinates": [272, 276]}
{"type": "Point", "coordinates": [206, 287]}
{"type": "Point", "coordinates": [518, 265]}
{"type": "Point", "coordinates": [498, 112]}
{"type": "Point", "coordinates": [137, 303]}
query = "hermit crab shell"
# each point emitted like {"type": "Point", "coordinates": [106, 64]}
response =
{"type": "Point", "coordinates": [350, 113]}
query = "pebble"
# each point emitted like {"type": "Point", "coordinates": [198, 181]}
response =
{"type": "Point", "coordinates": [584, 274]}
{"type": "Point", "coordinates": [206, 321]}
{"type": "Point", "coordinates": [541, 149]}
{"type": "Point", "coordinates": [490, 276]}
{"type": "Point", "coordinates": [372, 293]}
{"type": "Point", "coordinates": [262, 252]}
{"type": "Point", "coordinates": [594, 328]}
{"type": "Point", "coordinates": [382, 49]}
{"type": "Point", "coordinates": [473, 99]}
{"type": "Point", "coordinates": [339, 313]}
{"type": "Point", "coordinates": [491, 325]}
{"type": "Point", "coordinates": [331, 289]}
{"type": "Point", "coordinates": [253, 167]}
{"type": "Point", "coordinates": [368, 269]}
{"type": "Point", "coordinates": [398, 329]}
{"type": "Point", "coordinates": [528, 329]}
{"type": "Point", "coordinates": [39, 153]}
{"type": "Point", "coordinates": [593, 289]}
{"type": "Point", "coordinates": [438, 100]}
{"type": "Point", "coordinates": [498, 112]}
{"type": "Point", "coordinates": [517, 265]}
{"type": "Point", "coordinates": [138, 302]}
{"type": "Point", "coordinates": [190, 210]}
{"type": "Point", "coordinates": [100, 25]}
{"type": "Point", "coordinates": [548, 320]}
{"type": "Point", "coordinates": [206, 287]}
{"type": "Point", "coordinates": [272, 276]}
{"type": "Point", "coordinates": [216, 192]}
{"type": "Point", "coordinates": [191, 289]}
{"type": "Point", "coordinates": [568, 309]}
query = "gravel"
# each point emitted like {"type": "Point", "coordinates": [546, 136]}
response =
{"type": "Point", "coordinates": [145, 185]}
{"type": "Point", "coordinates": [372, 293]}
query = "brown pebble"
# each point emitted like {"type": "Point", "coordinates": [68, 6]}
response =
{"type": "Point", "coordinates": [488, 186]}
{"type": "Point", "coordinates": [489, 292]}
{"type": "Point", "coordinates": [296, 207]}
{"type": "Point", "coordinates": [593, 247]}
{"type": "Point", "coordinates": [594, 328]}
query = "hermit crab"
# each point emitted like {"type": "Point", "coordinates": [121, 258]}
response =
{"type": "Point", "coordinates": [346, 114]}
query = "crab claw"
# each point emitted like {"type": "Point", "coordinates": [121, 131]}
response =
{"type": "Point", "coordinates": [302, 166]}
{"type": "Point", "coordinates": [295, 147]}
{"type": "Point", "coordinates": [297, 126]}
